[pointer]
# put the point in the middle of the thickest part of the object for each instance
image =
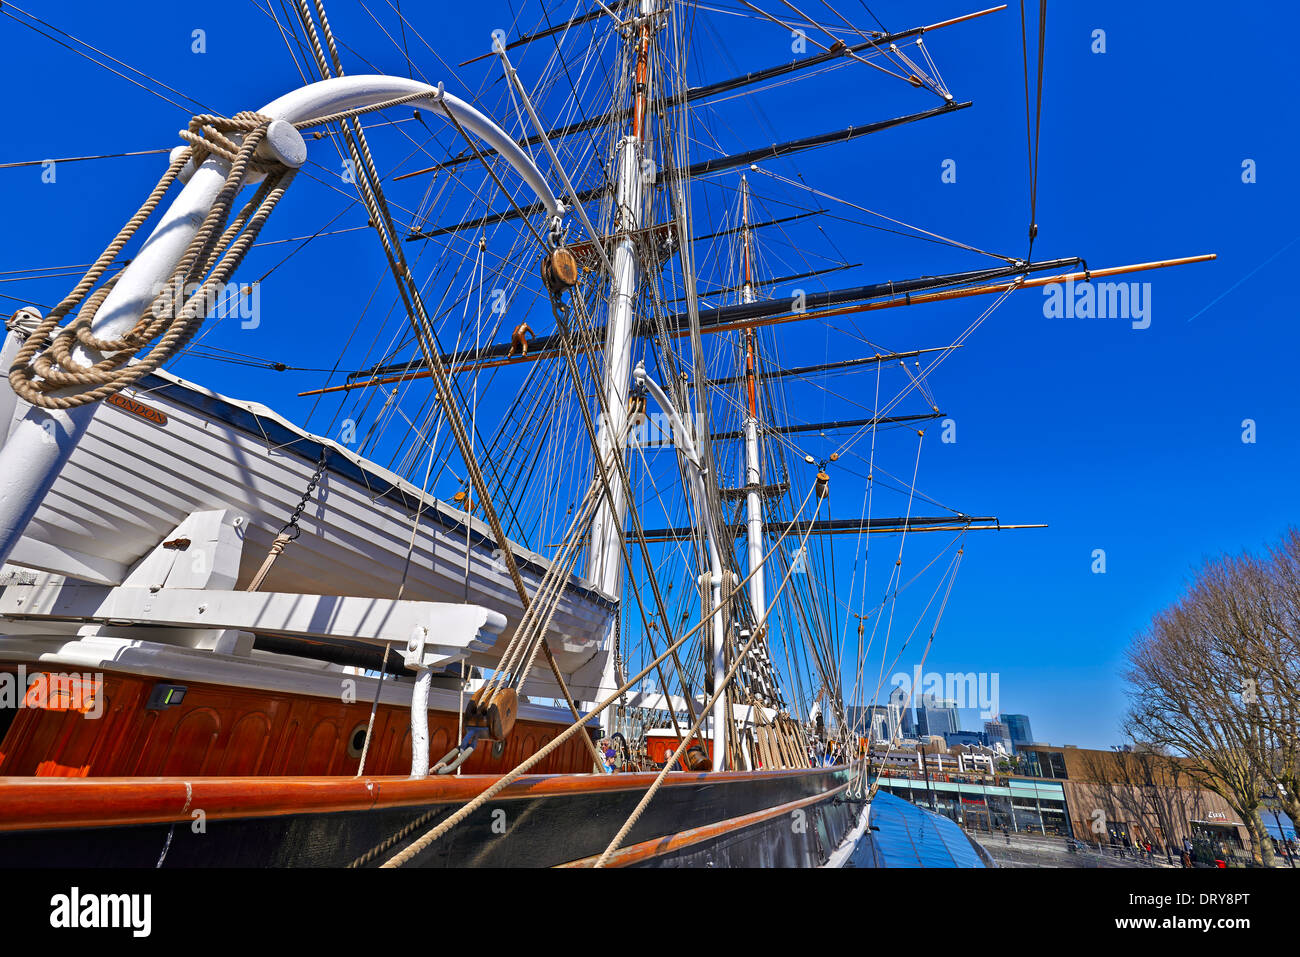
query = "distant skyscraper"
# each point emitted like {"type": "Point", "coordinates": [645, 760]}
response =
{"type": "Point", "coordinates": [1018, 726]}
{"type": "Point", "coordinates": [937, 716]}
{"type": "Point", "coordinates": [998, 732]}
{"type": "Point", "coordinates": [900, 715]}
{"type": "Point", "coordinates": [879, 728]}
{"type": "Point", "coordinates": [872, 721]}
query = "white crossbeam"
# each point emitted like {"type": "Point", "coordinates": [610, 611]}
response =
{"type": "Point", "coordinates": [453, 630]}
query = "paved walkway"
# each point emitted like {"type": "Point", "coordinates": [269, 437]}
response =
{"type": "Point", "coordinates": [1026, 850]}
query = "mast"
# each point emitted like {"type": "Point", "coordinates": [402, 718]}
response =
{"type": "Point", "coordinates": [605, 553]}
{"type": "Point", "coordinates": [753, 475]}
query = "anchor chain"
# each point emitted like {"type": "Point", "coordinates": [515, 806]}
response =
{"type": "Point", "coordinates": [291, 529]}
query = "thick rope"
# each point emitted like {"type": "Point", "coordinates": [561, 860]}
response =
{"type": "Point", "coordinates": [371, 193]}
{"type": "Point", "coordinates": [272, 554]}
{"type": "Point", "coordinates": [560, 312]}
{"type": "Point", "coordinates": [410, 852]}
{"type": "Point", "coordinates": [677, 755]}
{"type": "Point", "coordinates": [704, 712]}
{"type": "Point", "coordinates": [553, 577]}
{"type": "Point", "coordinates": [45, 372]}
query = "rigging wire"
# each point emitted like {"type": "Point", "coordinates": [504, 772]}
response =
{"type": "Point", "coordinates": [822, 638]}
{"type": "Point", "coordinates": [203, 108]}
{"type": "Point", "coordinates": [1033, 129]}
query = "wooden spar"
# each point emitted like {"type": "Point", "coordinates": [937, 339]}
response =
{"type": "Point", "coordinates": [551, 31]}
{"type": "Point", "coordinates": [905, 300]}
{"type": "Point", "coordinates": [964, 17]}
{"type": "Point", "coordinates": [921, 298]}
{"type": "Point", "coordinates": [801, 371]}
{"type": "Point", "coordinates": [891, 288]}
{"type": "Point", "coordinates": [835, 426]}
{"type": "Point", "coordinates": [701, 92]}
{"type": "Point", "coordinates": [719, 163]}
{"type": "Point", "coordinates": [713, 165]}
{"type": "Point", "coordinates": [752, 226]}
{"type": "Point", "coordinates": [424, 373]}
{"type": "Point", "coordinates": [491, 364]}
{"type": "Point", "coordinates": [871, 526]}
{"type": "Point", "coordinates": [775, 281]}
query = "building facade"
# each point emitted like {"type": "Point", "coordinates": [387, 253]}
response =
{"type": "Point", "coordinates": [1120, 798]}
{"type": "Point", "coordinates": [1134, 797]}
{"type": "Point", "coordinates": [1018, 728]}
{"type": "Point", "coordinates": [900, 714]}
{"type": "Point", "coordinates": [978, 803]}
{"type": "Point", "coordinates": [935, 715]}
{"type": "Point", "coordinates": [996, 732]}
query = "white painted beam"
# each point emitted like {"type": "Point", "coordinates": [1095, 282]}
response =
{"type": "Point", "coordinates": [455, 630]}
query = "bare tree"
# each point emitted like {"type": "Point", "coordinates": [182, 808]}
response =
{"type": "Point", "coordinates": [1193, 675]}
{"type": "Point", "coordinates": [1257, 610]}
{"type": "Point", "coordinates": [1276, 585]}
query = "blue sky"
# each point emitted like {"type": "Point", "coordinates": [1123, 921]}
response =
{"type": "Point", "coordinates": [1127, 440]}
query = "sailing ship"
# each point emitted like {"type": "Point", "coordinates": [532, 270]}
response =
{"type": "Point", "coordinates": [229, 640]}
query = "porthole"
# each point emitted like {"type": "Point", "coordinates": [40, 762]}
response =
{"type": "Point", "coordinates": [357, 741]}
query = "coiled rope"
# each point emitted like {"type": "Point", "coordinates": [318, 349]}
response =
{"type": "Point", "coordinates": [45, 371]}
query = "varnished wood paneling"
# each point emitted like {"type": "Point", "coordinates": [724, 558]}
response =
{"type": "Point", "coordinates": [234, 731]}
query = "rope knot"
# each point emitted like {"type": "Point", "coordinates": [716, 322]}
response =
{"type": "Point", "coordinates": [209, 134]}
{"type": "Point", "coordinates": [63, 367]}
